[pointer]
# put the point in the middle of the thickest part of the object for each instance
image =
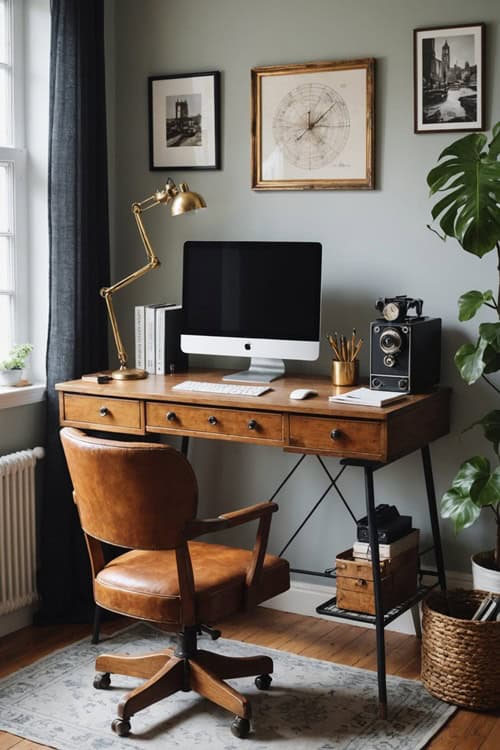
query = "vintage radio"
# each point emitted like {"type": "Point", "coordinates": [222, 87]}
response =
{"type": "Point", "coordinates": [405, 350]}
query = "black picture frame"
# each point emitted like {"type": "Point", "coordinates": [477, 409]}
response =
{"type": "Point", "coordinates": [184, 121]}
{"type": "Point", "coordinates": [448, 69]}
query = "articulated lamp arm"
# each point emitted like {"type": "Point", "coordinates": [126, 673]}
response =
{"type": "Point", "coordinates": [182, 200]}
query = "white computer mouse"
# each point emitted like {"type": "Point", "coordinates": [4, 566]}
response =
{"type": "Point", "coordinates": [301, 393]}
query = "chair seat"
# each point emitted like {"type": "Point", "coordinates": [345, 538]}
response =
{"type": "Point", "coordinates": [144, 584]}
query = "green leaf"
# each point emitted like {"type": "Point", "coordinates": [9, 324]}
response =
{"type": "Point", "coordinates": [469, 361]}
{"type": "Point", "coordinates": [474, 471]}
{"type": "Point", "coordinates": [470, 302]}
{"type": "Point", "coordinates": [494, 148]}
{"type": "Point", "coordinates": [462, 510]}
{"type": "Point", "coordinates": [469, 173]}
{"type": "Point", "coordinates": [490, 492]}
{"type": "Point", "coordinates": [490, 332]}
{"type": "Point", "coordinates": [491, 359]}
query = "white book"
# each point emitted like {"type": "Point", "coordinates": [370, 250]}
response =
{"type": "Point", "coordinates": [150, 336]}
{"type": "Point", "coordinates": [160, 314]}
{"type": "Point", "coordinates": [139, 328]}
{"type": "Point", "coordinates": [368, 397]}
{"type": "Point", "coordinates": [386, 551]}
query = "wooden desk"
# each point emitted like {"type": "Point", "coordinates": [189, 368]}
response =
{"type": "Point", "coordinates": [314, 425]}
{"type": "Point", "coordinates": [366, 437]}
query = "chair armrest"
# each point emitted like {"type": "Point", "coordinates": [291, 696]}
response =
{"type": "Point", "coordinates": [244, 515]}
{"type": "Point", "coordinates": [199, 526]}
{"type": "Point", "coordinates": [261, 511]}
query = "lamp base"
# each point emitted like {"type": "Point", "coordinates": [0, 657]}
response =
{"type": "Point", "coordinates": [129, 373]}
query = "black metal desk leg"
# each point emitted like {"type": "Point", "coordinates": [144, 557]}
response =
{"type": "Point", "coordinates": [377, 587]}
{"type": "Point", "coordinates": [431, 499]}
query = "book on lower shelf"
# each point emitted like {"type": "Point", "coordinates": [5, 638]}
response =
{"type": "Point", "coordinates": [362, 550]}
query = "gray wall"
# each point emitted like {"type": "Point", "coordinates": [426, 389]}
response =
{"type": "Point", "coordinates": [374, 243]}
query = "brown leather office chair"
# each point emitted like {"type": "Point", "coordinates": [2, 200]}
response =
{"type": "Point", "coordinates": [143, 497]}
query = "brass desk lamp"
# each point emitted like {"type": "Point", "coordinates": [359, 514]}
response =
{"type": "Point", "coordinates": [181, 201]}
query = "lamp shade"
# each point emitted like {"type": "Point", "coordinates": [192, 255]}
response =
{"type": "Point", "coordinates": [185, 200]}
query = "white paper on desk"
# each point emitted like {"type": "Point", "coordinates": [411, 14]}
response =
{"type": "Point", "coordinates": [367, 397]}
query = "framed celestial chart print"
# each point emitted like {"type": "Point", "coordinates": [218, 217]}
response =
{"type": "Point", "coordinates": [313, 126]}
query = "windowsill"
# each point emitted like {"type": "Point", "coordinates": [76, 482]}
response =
{"type": "Point", "coordinates": [28, 394]}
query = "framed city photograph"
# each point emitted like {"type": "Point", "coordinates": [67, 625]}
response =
{"type": "Point", "coordinates": [448, 78]}
{"type": "Point", "coordinates": [313, 126]}
{"type": "Point", "coordinates": [184, 121]}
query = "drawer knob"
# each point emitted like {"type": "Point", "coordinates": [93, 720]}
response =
{"type": "Point", "coordinates": [335, 434]}
{"type": "Point", "coordinates": [104, 411]}
{"type": "Point", "coordinates": [212, 420]}
{"type": "Point", "coordinates": [171, 416]}
{"type": "Point", "coordinates": [252, 424]}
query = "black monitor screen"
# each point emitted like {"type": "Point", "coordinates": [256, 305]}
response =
{"type": "Point", "coordinates": [268, 290]}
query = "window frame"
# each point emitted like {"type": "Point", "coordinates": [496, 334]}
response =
{"type": "Point", "coordinates": [15, 155]}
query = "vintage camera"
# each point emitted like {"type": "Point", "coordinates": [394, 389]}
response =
{"type": "Point", "coordinates": [390, 525]}
{"type": "Point", "coordinates": [405, 350]}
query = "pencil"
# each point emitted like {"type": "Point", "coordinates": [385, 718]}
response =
{"type": "Point", "coordinates": [358, 348]}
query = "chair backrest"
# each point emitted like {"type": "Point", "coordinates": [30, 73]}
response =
{"type": "Point", "coordinates": [134, 495]}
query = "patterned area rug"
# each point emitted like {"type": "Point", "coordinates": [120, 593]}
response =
{"type": "Point", "coordinates": [312, 705]}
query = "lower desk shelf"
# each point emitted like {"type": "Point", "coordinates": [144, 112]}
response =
{"type": "Point", "coordinates": [330, 608]}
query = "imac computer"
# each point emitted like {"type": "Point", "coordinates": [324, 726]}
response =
{"type": "Point", "coordinates": [256, 299]}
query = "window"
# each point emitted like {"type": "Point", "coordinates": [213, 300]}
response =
{"type": "Point", "coordinates": [13, 214]}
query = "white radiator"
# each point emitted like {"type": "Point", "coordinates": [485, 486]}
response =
{"type": "Point", "coordinates": [18, 530]}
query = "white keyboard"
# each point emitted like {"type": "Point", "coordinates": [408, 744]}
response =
{"type": "Point", "coordinates": [227, 389]}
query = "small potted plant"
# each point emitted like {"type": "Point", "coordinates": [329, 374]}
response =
{"type": "Point", "coordinates": [11, 368]}
{"type": "Point", "coordinates": [468, 178]}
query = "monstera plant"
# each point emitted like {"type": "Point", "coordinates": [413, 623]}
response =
{"type": "Point", "coordinates": [468, 177]}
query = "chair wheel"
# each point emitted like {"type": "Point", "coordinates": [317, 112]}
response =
{"type": "Point", "coordinates": [240, 727]}
{"type": "Point", "coordinates": [121, 727]}
{"type": "Point", "coordinates": [263, 681]}
{"type": "Point", "coordinates": [102, 681]}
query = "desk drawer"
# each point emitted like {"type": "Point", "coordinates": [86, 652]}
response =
{"type": "Point", "coordinates": [113, 414]}
{"type": "Point", "coordinates": [341, 437]}
{"type": "Point", "coordinates": [212, 421]}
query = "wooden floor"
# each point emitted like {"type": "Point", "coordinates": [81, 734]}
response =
{"type": "Point", "coordinates": [322, 639]}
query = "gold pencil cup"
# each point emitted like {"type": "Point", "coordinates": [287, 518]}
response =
{"type": "Point", "coordinates": [345, 373]}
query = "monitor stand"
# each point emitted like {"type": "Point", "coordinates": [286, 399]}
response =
{"type": "Point", "coordinates": [260, 370]}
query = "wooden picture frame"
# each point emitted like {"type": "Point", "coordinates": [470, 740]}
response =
{"type": "Point", "coordinates": [448, 78]}
{"type": "Point", "coordinates": [313, 126]}
{"type": "Point", "coordinates": [184, 121]}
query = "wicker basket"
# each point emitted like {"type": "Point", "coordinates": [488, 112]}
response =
{"type": "Point", "coordinates": [460, 656]}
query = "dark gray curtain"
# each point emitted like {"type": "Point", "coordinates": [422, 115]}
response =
{"type": "Point", "coordinates": [79, 267]}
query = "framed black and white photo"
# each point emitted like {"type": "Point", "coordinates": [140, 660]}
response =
{"type": "Point", "coordinates": [184, 121]}
{"type": "Point", "coordinates": [313, 126]}
{"type": "Point", "coordinates": [448, 73]}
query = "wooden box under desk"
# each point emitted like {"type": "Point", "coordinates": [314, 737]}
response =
{"type": "Point", "coordinates": [355, 581]}
{"type": "Point", "coordinates": [314, 425]}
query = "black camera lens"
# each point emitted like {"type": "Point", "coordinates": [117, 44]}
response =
{"type": "Point", "coordinates": [391, 341]}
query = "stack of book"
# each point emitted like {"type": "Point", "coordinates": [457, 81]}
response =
{"type": "Point", "coordinates": [157, 339]}
{"type": "Point", "coordinates": [362, 551]}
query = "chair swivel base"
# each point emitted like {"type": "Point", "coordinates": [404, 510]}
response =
{"type": "Point", "coordinates": [185, 668]}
